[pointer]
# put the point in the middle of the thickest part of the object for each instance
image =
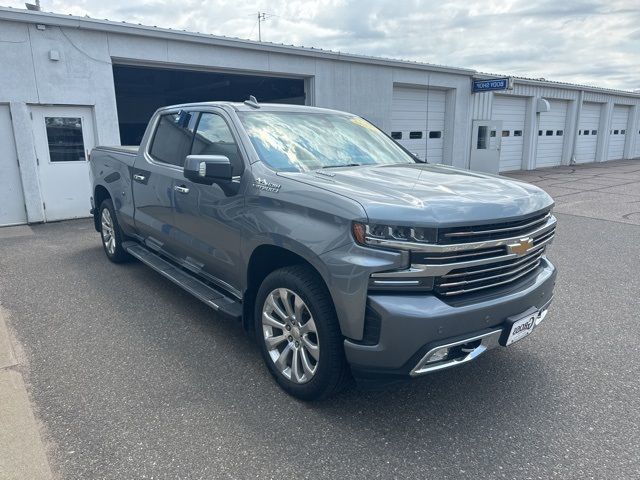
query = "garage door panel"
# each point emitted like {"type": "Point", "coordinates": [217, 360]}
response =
{"type": "Point", "coordinates": [419, 110]}
{"type": "Point", "coordinates": [618, 132]}
{"type": "Point", "coordinates": [588, 133]}
{"type": "Point", "coordinates": [550, 146]}
{"type": "Point", "coordinates": [511, 111]}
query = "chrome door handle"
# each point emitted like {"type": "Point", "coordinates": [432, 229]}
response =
{"type": "Point", "coordinates": [180, 189]}
{"type": "Point", "coordinates": [138, 177]}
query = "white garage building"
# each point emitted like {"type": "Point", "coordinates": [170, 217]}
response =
{"type": "Point", "coordinates": [68, 83]}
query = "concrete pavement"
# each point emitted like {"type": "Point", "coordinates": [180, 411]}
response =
{"type": "Point", "coordinates": [134, 378]}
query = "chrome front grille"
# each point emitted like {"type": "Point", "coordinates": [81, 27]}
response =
{"type": "Point", "coordinates": [473, 279]}
{"type": "Point", "coordinates": [485, 232]}
{"type": "Point", "coordinates": [457, 269]}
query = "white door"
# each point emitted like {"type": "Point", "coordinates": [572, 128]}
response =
{"type": "Point", "coordinates": [551, 129]}
{"type": "Point", "coordinates": [64, 136]}
{"type": "Point", "coordinates": [485, 146]}
{"type": "Point", "coordinates": [588, 132]}
{"type": "Point", "coordinates": [12, 210]}
{"type": "Point", "coordinates": [618, 132]}
{"type": "Point", "coordinates": [512, 112]}
{"type": "Point", "coordinates": [417, 121]}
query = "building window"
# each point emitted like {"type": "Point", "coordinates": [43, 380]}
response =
{"type": "Point", "coordinates": [64, 135]}
{"type": "Point", "coordinates": [415, 135]}
{"type": "Point", "coordinates": [435, 134]}
{"type": "Point", "coordinates": [505, 133]}
{"type": "Point", "coordinates": [549, 133]}
{"type": "Point", "coordinates": [594, 132]}
{"type": "Point", "coordinates": [586, 132]}
{"type": "Point", "coordinates": [623, 132]}
{"type": "Point", "coordinates": [539, 133]}
{"type": "Point", "coordinates": [481, 143]}
{"type": "Point", "coordinates": [493, 134]}
{"type": "Point", "coordinates": [559, 133]}
{"type": "Point", "coordinates": [615, 132]}
{"type": "Point", "coordinates": [517, 133]}
{"type": "Point", "coordinates": [396, 135]}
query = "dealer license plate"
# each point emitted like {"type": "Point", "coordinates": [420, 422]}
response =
{"type": "Point", "coordinates": [521, 328]}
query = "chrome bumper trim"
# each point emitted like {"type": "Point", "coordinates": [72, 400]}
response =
{"type": "Point", "coordinates": [488, 341]}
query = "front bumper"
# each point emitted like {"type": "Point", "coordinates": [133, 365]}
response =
{"type": "Point", "coordinates": [412, 326]}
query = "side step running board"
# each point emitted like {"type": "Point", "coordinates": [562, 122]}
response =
{"type": "Point", "coordinates": [212, 296]}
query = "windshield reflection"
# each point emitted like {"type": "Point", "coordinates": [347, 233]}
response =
{"type": "Point", "coordinates": [299, 142]}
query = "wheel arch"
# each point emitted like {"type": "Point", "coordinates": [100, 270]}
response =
{"type": "Point", "coordinates": [265, 259]}
{"type": "Point", "coordinates": [100, 194]}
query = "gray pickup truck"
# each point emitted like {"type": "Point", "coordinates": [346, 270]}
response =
{"type": "Point", "coordinates": [344, 254]}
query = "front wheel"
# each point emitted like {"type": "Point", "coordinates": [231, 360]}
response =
{"type": "Point", "coordinates": [111, 234]}
{"type": "Point", "coordinates": [299, 335]}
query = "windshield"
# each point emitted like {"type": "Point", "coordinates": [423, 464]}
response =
{"type": "Point", "coordinates": [301, 141]}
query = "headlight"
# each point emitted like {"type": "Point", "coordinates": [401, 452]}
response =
{"type": "Point", "coordinates": [391, 236]}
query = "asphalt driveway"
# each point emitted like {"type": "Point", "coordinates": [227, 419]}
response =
{"type": "Point", "coordinates": [133, 378]}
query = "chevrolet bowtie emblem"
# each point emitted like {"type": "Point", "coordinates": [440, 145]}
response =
{"type": "Point", "coordinates": [522, 247]}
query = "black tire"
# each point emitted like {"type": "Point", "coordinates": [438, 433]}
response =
{"type": "Point", "coordinates": [114, 251]}
{"type": "Point", "coordinates": [332, 372]}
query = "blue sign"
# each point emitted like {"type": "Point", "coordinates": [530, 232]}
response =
{"type": "Point", "coordinates": [490, 84]}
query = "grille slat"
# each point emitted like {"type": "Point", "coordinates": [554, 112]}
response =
{"type": "Point", "coordinates": [502, 272]}
{"type": "Point", "coordinates": [478, 233]}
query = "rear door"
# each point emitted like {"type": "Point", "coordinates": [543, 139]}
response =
{"type": "Point", "coordinates": [207, 216]}
{"type": "Point", "coordinates": [154, 173]}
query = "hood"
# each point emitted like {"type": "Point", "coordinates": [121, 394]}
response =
{"type": "Point", "coordinates": [428, 195]}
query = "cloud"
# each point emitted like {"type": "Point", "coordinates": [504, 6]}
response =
{"type": "Point", "coordinates": [596, 42]}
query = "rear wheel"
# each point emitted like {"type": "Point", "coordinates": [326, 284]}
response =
{"type": "Point", "coordinates": [111, 234]}
{"type": "Point", "coordinates": [299, 335]}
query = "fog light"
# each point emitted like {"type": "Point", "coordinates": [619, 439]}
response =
{"type": "Point", "coordinates": [438, 355]}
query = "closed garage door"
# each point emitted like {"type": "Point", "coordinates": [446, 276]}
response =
{"type": "Point", "coordinates": [588, 133]}
{"type": "Point", "coordinates": [511, 111]}
{"type": "Point", "coordinates": [12, 209]}
{"type": "Point", "coordinates": [551, 134]}
{"type": "Point", "coordinates": [618, 132]}
{"type": "Point", "coordinates": [417, 121]}
{"type": "Point", "coordinates": [637, 155]}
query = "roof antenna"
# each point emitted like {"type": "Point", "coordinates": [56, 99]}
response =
{"type": "Point", "coordinates": [35, 7]}
{"type": "Point", "coordinates": [252, 102]}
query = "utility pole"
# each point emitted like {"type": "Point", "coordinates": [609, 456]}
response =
{"type": "Point", "coordinates": [261, 18]}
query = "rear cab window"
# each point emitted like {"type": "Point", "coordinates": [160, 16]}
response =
{"type": "Point", "coordinates": [172, 138]}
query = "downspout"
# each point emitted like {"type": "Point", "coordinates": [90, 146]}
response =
{"type": "Point", "coordinates": [576, 128]}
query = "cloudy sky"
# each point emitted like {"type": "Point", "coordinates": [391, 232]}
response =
{"type": "Point", "coordinates": [581, 41]}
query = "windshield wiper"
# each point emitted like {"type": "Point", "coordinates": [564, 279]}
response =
{"type": "Point", "coordinates": [343, 165]}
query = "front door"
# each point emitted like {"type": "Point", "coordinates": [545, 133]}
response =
{"type": "Point", "coordinates": [486, 142]}
{"type": "Point", "coordinates": [64, 136]}
{"type": "Point", "coordinates": [208, 216]}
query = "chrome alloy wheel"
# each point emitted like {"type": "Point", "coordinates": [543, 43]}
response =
{"type": "Point", "coordinates": [108, 236]}
{"type": "Point", "coordinates": [290, 335]}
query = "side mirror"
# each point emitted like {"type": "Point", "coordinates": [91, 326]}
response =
{"type": "Point", "coordinates": [207, 169]}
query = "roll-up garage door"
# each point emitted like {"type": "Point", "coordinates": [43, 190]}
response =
{"type": "Point", "coordinates": [618, 132]}
{"type": "Point", "coordinates": [637, 154]}
{"type": "Point", "coordinates": [588, 133]}
{"type": "Point", "coordinates": [511, 111]}
{"type": "Point", "coordinates": [417, 121]}
{"type": "Point", "coordinates": [551, 131]}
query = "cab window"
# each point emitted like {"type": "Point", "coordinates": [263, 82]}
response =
{"type": "Point", "coordinates": [213, 137]}
{"type": "Point", "coordinates": [172, 138]}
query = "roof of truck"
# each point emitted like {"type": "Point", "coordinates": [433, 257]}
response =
{"type": "Point", "coordinates": [266, 107]}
